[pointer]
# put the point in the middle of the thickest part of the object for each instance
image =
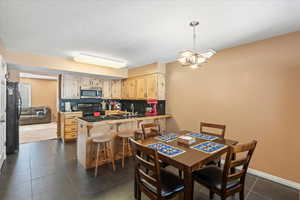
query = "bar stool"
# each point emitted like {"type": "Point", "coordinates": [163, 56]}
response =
{"type": "Point", "coordinates": [104, 147]}
{"type": "Point", "coordinates": [125, 135]}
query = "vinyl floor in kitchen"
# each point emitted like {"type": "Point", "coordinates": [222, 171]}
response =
{"type": "Point", "coordinates": [48, 170]}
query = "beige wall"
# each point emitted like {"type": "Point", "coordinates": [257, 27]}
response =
{"type": "Point", "coordinates": [254, 90]}
{"type": "Point", "coordinates": [43, 93]}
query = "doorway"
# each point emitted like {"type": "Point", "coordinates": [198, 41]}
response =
{"type": "Point", "coordinates": [39, 107]}
{"type": "Point", "coordinates": [2, 111]}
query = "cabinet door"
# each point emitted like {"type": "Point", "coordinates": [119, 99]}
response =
{"type": "Point", "coordinates": [98, 83]}
{"type": "Point", "coordinates": [84, 82]}
{"type": "Point", "coordinates": [70, 87]}
{"type": "Point", "coordinates": [131, 88]}
{"type": "Point", "coordinates": [116, 89]}
{"type": "Point", "coordinates": [141, 88]}
{"type": "Point", "coordinates": [161, 87]}
{"type": "Point", "coordinates": [151, 87]}
{"type": "Point", "coordinates": [125, 89]}
{"type": "Point", "coordinates": [106, 90]}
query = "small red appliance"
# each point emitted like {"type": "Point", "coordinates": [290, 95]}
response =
{"type": "Point", "coordinates": [151, 109]}
{"type": "Point", "coordinates": [96, 114]}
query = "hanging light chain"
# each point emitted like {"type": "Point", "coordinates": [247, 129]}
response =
{"type": "Point", "coordinates": [194, 38]}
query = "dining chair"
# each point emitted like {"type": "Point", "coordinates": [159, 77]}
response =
{"type": "Point", "coordinates": [222, 181]}
{"type": "Point", "coordinates": [150, 130]}
{"type": "Point", "coordinates": [204, 126]}
{"type": "Point", "coordinates": [221, 128]}
{"type": "Point", "coordinates": [154, 182]}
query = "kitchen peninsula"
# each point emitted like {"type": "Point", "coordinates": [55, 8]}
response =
{"type": "Point", "coordinates": [91, 127]}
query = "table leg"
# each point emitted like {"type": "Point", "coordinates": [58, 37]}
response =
{"type": "Point", "coordinates": [188, 185]}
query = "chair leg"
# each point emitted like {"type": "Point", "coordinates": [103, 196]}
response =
{"type": "Point", "coordinates": [242, 194]}
{"type": "Point", "coordinates": [211, 194]}
{"type": "Point", "coordinates": [97, 159]}
{"type": "Point", "coordinates": [123, 154]}
{"type": "Point", "coordinates": [139, 193]}
{"type": "Point", "coordinates": [112, 156]}
{"type": "Point", "coordinates": [180, 173]}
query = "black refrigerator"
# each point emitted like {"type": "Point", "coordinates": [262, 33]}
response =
{"type": "Point", "coordinates": [13, 112]}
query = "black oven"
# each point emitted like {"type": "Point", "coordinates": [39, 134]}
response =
{"type": "Point", "coordinates": [90, 93]}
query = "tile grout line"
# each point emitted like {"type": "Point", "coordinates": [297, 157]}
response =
{"type": "Point", "coordinates": [30, 168]}
{"type": "Point", "coordinates": [251, 188]}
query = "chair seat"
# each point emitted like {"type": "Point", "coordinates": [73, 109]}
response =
{"type": "Point", "coordinates": [102, 138]}
{"type": "Point", "coordinates": [211, 176]}
{"type": "Point", "coordinates": [170, 184]}
{"type": "Point", "coordinates": [126, 133]}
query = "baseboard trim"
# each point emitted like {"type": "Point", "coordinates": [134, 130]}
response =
{"type": "Point", "coordinates": [273, 178]}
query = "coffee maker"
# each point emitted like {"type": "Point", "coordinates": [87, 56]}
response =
{"type": "Point", "coordinates": [151, 109]}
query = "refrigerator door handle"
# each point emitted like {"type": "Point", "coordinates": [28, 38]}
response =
{"type": "Point", "coordinates": [20, 105]}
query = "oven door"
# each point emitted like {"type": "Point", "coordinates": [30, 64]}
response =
{"type": "Point", "coordinates": [90, 93]}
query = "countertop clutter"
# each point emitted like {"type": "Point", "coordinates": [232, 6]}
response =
{"type": "Point", "coordinates": [119, 117]}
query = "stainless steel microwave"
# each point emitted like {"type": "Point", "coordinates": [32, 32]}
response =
{"type": "Point", "coordinates": [90, 93]}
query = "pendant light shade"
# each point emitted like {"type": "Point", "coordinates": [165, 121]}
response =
{"type": "Point", "coordinates": [191, 57]}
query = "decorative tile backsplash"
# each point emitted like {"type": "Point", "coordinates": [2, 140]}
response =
{"type": "Point", "coordinates": [139, 105]}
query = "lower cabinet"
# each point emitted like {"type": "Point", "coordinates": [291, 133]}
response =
{"type": "Point", "coordinates": [68, 125]}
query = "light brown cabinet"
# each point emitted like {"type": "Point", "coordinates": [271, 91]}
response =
{"type": "Point", "coordinates": [88, 83]}
{"type": "Point", "coordinates": [131, 88]}
{"type": "Point", "coordinates": [70, 87]}
{"type": "Point", "coordinates": [144, 87]}
{"type": "Point", "coordinates": [68, 125]}
{"type": "Point", "coordinates": [152, 87]}
{"type": "Point", "coordinates": [106, 89]}
{"type": "Point", "coordinates": [116, 89]}
{"type": "Point", "coordinates": [141, 91]}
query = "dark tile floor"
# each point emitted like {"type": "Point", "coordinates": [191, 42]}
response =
{"type": "Point", "coordinates": [49, 171]}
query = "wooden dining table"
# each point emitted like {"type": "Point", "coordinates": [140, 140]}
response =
{"type": "Point", "coordinates": [190, 160]}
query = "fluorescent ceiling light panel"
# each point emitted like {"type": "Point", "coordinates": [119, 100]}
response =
{"type": "Point", "coordinates": [36, 76]}
{"type": "Point", "coordinates": [95, 60]}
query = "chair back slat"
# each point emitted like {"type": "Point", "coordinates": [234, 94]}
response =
{"type": "Point", "coordinates": [231, 162]}
{"type": "Point", "coordinates": [147, 167]}
{"type": "Point", "coordinates": [150, 130]}
{"type": "Point", "coordinates": [236, 175]}
{"type": "Point", "coordinates": [238, 162]}
{"type": "Point", "coordinates": [204, 125]}
{"type": "Point", "coordinates": [148, 178]}
{"type": "Point", "coordinates": [146, 164]}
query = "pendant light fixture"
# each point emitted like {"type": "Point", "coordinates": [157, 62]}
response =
{"type": "Point", "coordinates": [192, 58]}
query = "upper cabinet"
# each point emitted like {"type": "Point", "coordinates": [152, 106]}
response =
{"type": "Point", "coordinates": [70, 87]}
{"type": "Point", "coordinates": [141, 91]}
{"type": "Point", "coordinates": [144, 87]}
{"type": "Point", "coordinates": [151, 89]}
{"type": "Point", "coordinates": [146, 82]}
{"type": "Point", "coordinates": [90, 83]}
{"type": "Point", "coordinates": [116, 89]}
{"type": "Point", "coordinates": [106, 89]}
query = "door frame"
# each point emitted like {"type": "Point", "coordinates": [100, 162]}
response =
{"type": "Point", "coordinates": [3, 74]}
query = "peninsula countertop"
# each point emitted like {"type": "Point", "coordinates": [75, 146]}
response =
{"type": "Point", "coordinates": [124, 120]}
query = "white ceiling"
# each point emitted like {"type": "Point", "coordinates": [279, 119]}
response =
{"type": "Point", "coordinates": [140, 31]}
